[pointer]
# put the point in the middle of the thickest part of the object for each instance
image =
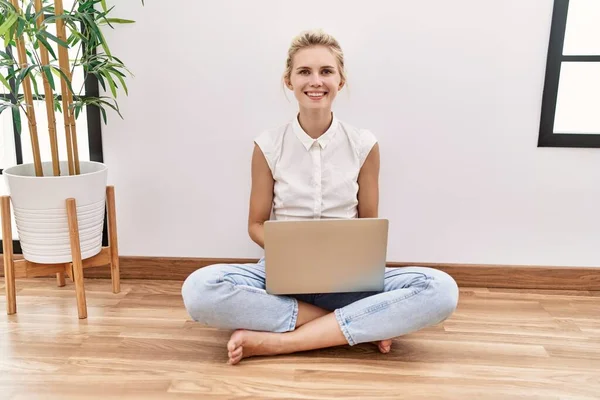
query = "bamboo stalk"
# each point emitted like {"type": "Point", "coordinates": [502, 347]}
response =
{"type": "Point", "coordinates": [113, 244]}
{"type": "Point", "coordinates": [76, 257]}
{"type": "Point", "coordinates": [8, 256]}
{"type": "Point", "coordinates": [49, 99]}
{"type": "Point", "coordinates": [30, 111]}
{"type": "Point", "coordinates": [67, 99]}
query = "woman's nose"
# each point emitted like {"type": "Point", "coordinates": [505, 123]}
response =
{"type": "Point", "coordinates": [315, 80]}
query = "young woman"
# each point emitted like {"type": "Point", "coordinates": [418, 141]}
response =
{"type": "Point", "coordinates": [315, 166]}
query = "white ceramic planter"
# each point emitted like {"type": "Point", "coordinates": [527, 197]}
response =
{"type": "Point", "coordinates": [39, 206]}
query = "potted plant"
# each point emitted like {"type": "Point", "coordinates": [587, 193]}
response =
{"type": "Point", "coordinates": [38, 35]}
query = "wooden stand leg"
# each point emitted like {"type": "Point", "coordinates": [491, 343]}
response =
{"type": "Point", "coordinates": [7, 252]}
{"type": "Point", "coordinates": [60, 279]}
{"type": "Point", "coordinates": [112, 239]}
{"type": "Point", "coordinates": [76, 254]}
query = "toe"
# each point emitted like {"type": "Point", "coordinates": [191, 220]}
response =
{"type": "Point", "coordinates": [232, 345]}
{"type": "Point", "coordinates": [385, 346]}
{"type": "Point", "coordinates": [236, 353]}
{"type": "Point", "coordinates": [236, 340]}
{"type": "Point", "coordinates": [236, 359]}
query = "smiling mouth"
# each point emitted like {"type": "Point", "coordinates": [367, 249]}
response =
{"type": "Point", "coordinates": [316, 95]}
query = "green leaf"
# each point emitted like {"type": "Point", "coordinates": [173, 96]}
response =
{"type": "Point", "coordinates": [43, 11]}
{"type": "Point", "coordinates": [45, 43]}
{"type": "Point", "coordinates": [17, 119]}
{"type": "Point", "coordinates": [73, 25]}
{"type": "Point", "coordinates": [100, 103]}
{"type": "Point", "coordinates": [8, 24]}
{"type": "Point", "coordinates": [55, 39]}
{"type": "Point", "coordinates": [35, 86]}
{"type": "Point", "coordinates": [111, 82]}
{"type": "Point", "coordinates": [103, 111]}
{"type": "Point", "coordinates": [57, 106]}
{"type": "Point", "coordinates": [4, 106]}
{"type": "Point", "coordinates": [87, 6]}
{"type": "Point", "coordinates": [92, 25]}
{"type": "Point", "coordinates": [8, 5]}
{"type": "Point", "coordinates": [11, 75]}
{"type": "Point", "coordinates": [55, 71]}
{"type": "Point", "coordinates": [48, 72]}
{"type": "Point", "coordinates": [31, 59]}
{"type": "Point", "coordinates": [116, 71]}
{"type": "Point", "coordinates": [28, 10]}
{"type": "Point", "coordinates": [7, 40]}
{"type": "Point", "coordinates": [53, 18]}
{"type": "Point", "coordinates": [75, 38]}
{"type": "Point", "coordinates": [119, 21]}
{"type": "Point", "coordinates": [111, 106]}
{"type": "Point", "coordinates": [20, 27]}
{"type": "Point", "coordinates": [63, 76]}
{"type": "Point", "coordinates": [123, 83]}
{"type": "Point", "coordinates": [5, 82]}
{"type": "Point", "coordinates": [24, 73]}
{"type": "Point", "coordinates": [101, 80]}
{"type": "Point", "coordinates": [103, 3]}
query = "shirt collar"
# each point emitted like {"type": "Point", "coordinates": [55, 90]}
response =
{"type": "Point", "coordinates": [308, 141]}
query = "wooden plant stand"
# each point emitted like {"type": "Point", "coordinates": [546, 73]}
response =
{"type": "Point", "coordinates": [109, 255]}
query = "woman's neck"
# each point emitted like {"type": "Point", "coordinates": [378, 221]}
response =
{"type": "Point", "coordinates": [315, 122]}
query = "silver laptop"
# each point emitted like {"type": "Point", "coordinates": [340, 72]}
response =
{"type": "Point", "coordinates": [325, 255]}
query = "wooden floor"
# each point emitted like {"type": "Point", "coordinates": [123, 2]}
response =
{"type": "Point", "coordinates": [505, 344]}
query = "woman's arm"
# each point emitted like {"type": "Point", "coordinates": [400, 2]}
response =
{"type": "Point", "coordinates": [368, 185]}
{"type": "Point", "coordinates": [261, 197]}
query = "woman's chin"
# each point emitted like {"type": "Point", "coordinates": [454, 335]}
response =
{"type": "Point", "coordinates": [315, 106]}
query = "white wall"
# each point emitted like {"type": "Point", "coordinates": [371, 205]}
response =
{"type": "Point", "coordinates": [452, 90]}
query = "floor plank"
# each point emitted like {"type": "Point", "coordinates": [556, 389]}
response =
{"type": "Point", "coordinates": [140, 343]}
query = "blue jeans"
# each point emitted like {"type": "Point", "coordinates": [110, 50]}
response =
{"type": "Point", "coordinates": [233, 296]}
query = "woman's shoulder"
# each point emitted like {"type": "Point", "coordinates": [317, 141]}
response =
{"type": "Point", "coordinates": [362, 139]}
{"type": "Point", "coordinates": [356, 132]}
{"type": "Point", "coordinates": [269, 141]}
{"type": "Point", "coordinates": [270, 137]}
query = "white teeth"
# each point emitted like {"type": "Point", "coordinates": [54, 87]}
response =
{"type": "Point", "coordinates": [319, 94]}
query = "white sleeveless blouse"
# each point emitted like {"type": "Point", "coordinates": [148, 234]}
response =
{"type": "Point", "coordinates": [315, 178]}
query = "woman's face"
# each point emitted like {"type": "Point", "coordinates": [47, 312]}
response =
{"type": "Point", "coordinates": [315, 78]}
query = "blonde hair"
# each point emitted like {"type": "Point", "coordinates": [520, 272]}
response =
{"type": "Point", "coordinates": [316, 37]}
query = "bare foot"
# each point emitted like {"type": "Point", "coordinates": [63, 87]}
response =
{"type": "Point", "coordinates": [384, 345]}
{"type": "Point", "coordinates": [244, 343]}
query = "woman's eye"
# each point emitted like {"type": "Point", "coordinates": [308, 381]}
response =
{"type": "Point", "coordinates": [327, 71]}
{"type": "Point", "coordinates": [304, 72]}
